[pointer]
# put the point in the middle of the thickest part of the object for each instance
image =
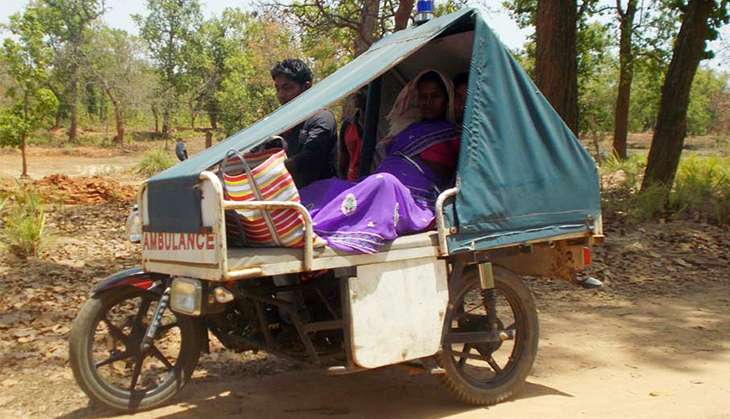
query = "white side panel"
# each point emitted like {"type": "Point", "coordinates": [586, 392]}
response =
{"type": "Point", "coordinates": [181, 247]}
{"type": "Point", "coordinates": [203, 248]}
{"type": "Point", "coordinates": [397, 311]}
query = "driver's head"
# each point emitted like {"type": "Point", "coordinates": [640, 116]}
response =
{"type": "Point", "coordinates": [460, 83]}
{"type": "Point", "coordinates": [291, 77]}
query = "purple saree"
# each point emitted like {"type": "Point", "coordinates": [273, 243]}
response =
{"type": "Point", "coordinates": [397, 199]}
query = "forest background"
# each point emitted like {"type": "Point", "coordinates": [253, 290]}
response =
{"type": "Point", "coordinates": [68, 79]}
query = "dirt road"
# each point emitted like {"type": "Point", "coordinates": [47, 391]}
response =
{"type": "Point", "coordinates": [599, 357]}
{"type": "Point", "coordinates": [43, 162]}
{"type": "Point", "coordinates": [653, 343]}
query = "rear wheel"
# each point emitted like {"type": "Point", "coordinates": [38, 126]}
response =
{"type": "Point", "coordinates": [485, 373]}
{"type": "Point", "coordinates": [106, 352]}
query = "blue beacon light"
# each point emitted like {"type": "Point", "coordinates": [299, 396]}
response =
{"type": "Point", "coordinates": [424, 11]}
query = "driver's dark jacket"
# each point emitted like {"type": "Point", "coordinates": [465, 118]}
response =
{"type": "Point", "coordinates": [310, 148]}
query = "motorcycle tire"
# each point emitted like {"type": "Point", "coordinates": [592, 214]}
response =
{"type": "Point", "coordinates": [481, 383]}
{"type": "Point", "coordinates": [105, 390]}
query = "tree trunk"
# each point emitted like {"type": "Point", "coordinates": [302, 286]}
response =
{"type": "Point", "coordinates": [73, 105]}
{"type": "Point", "coordinates": [364, 38]}
{"type": "Point", "coordinates": [208, 138]}
{"type": "Point", "coordinates": [24, 173]}
{"type": "Point", "coordinates": [366, 28]}
{"type": "Point", "coordinates": [213, 116]}
{"type": "Point", "coordinates": [671, 127]}
{"type": "Point", "coordinates": [165, 123]}
{"type": "Point", "coordinates": [626, 75]}
{"type": "Point", "coordinates": [56, 121]}
{"type": "Point", "coordinates": [119, 118]}
{"type": "Point", "coordinates": [556, 65]}
{"type": "Point", "coordinates": [403, 14]}
{"type": "Point", "coordinates": [118, 113]}
{"type": "Point", "coordinates": [23, 136]}
{"type": "Point", "coordinates": [156, 115]}
{"type": "Point", "coordinates": [166, 126]}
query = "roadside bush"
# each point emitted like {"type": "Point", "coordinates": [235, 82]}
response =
{"type": "Point", "coordinates": [632, 169]}
{"type": "Point", "coordinates": [23, 223]}
{"type": "Point", "coordinates": [154, 161]}
{"type": "Point", "coordinates": [702, 189]}
{"type": "Point", "coordinates": [647, 204]}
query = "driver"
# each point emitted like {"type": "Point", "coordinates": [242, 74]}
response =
{"type": "Point", "coordinates": [310, 144]}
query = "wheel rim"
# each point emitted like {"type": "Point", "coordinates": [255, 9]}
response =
{"type": "Point", "coordinates": [114, 354]}
{"type": "Point", "coordinates": [485, 365]}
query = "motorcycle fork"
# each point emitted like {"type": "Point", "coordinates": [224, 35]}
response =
{"type": "Point", "coordinates": [151, 331]}
{"type": "Point", "coordinates": [489, 294]}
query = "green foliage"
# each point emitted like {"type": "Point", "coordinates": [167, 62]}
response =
{"type": "Point", "coordinates": [597, 79]}
{"type": "Point", "coordinates": [709, 90]}
{"type": "Point", "coordinates": [30, 102]}
{"type": "Point", "coordinates": [248, 49]}
{"type": "Point", "coordinates": [702, 187]}
{"type": "Point", "coordinates": [153, 162]}
{"type": "Point", "coordinates": [646, 93]}
{"type": "Point", "coordinates": [168, 31]}
{"type": "Point", "coordinates": [628, 170]}
{"type": "Point", "coordinates": [23, 227]}
{"type": "Point", "coordinates": [648, 203]}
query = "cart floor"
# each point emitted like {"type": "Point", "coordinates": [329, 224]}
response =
{"type": "Point", "coordinates": [275, 260]}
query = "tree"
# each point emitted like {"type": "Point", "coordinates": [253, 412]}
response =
{"type": "Point", "coordinates": [557, 23]}
{"type": "Point", "coordinates": [346, 28]}
{"type": "Point", "coordinates": [246, 92]}
{"type": "Point", "coordinates": [705, 110]}
{"type": "Point", "coordinates": [644, 34]}
{"type": "Point", "coordinates": [67, 23]}
{"type": "Point", "coordinates": [700, 20]}
{"type": "Point", "coordinates": [112, 58]}
{"type": "Point", "coordinates": [626, 75]}
{"type": "Point", "coordinates": [167, 29]}
{"type": "Point", "coordinates": [596, 81]}
{"type": "Point", "coordinates": [556, 66]}
{"type": "Point", "coordinates": [31, 104]}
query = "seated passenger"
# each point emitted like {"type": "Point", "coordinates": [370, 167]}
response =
{"type": "Point", "coordinates": [399, 197]}
{"type": "Point", "coordinates": [350, 140]}
{"type": "Point", "coordinates": [461, 81]}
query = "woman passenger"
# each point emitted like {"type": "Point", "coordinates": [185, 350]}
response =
{"type": "Point", "coordinates": [399, 197]}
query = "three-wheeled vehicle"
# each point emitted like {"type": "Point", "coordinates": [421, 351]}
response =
{"type": "Point", "coordinates": [450, 301]}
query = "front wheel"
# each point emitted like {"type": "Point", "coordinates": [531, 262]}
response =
{"type": "Point", "coordinates": [485, 373]}
{"type": "Point", "coordinates": [109, 361]}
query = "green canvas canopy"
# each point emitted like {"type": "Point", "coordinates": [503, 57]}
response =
{"type": "Point", "coordinates": [522, 174]}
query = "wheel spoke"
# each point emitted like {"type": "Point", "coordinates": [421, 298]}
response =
{"type": "Point", "coordinates": [136, 372]}
{"type": "Point", "coordinates": [159, 355]}
{"type": "Point", "coordinates": [116, 332]}
{"type": "Point", "coordinates": [466, 355]}
{"type": "Point", "coordinates": [138, 323]}
{"type": "Point", "coordinates": [114, 358]}
{"type": "Point", "coordinates": [492, 363]}
{"type": "Point", "coordinates": [462, 359]}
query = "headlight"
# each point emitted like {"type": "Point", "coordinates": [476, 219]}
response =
{"type": "Point", "coordinates": [134, 225]}
{"type": "Point", "coordinates": [186, 296]}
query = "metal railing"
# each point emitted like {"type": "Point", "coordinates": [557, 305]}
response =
{"type": "Point", "coordinates": [274, 205]}
{"type": "Point", "coordinates": [441, 228]}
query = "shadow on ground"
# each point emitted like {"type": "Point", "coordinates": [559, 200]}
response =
{"type": "Point", "coordinates": [386, 393]}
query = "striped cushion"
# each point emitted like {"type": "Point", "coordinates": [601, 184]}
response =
{"type": "Point", "coordinates": [275, 184]}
